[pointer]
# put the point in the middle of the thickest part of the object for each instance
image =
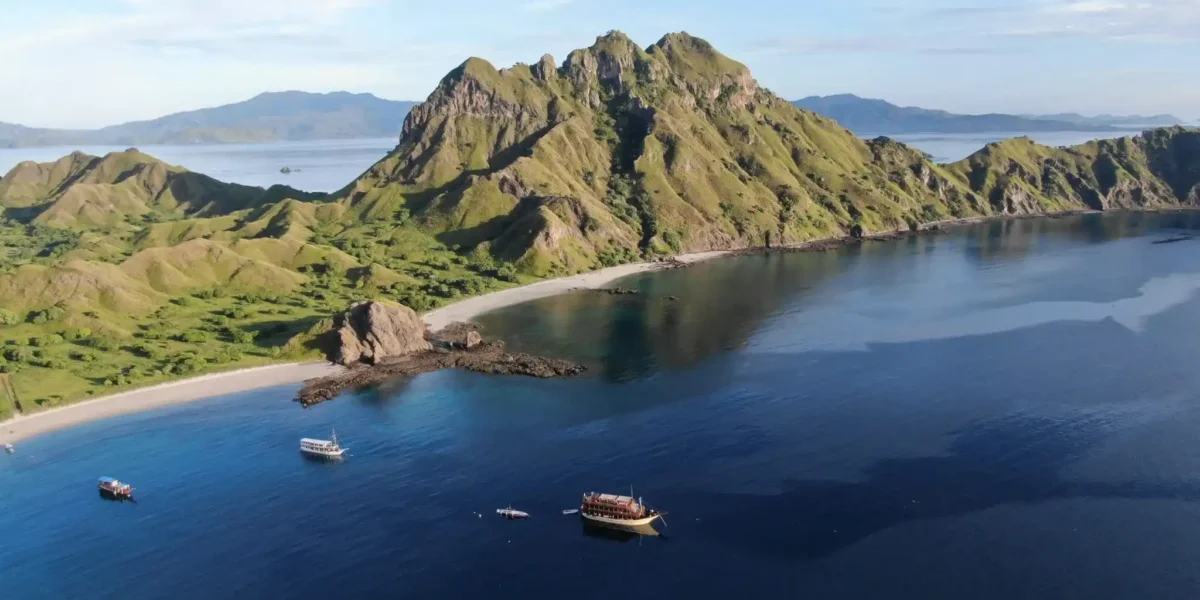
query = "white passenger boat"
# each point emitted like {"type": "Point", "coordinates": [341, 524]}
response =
{"type": "Point", "coordinates": [322, 448]}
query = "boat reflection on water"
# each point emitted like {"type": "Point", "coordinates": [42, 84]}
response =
{"type": "Point", "coordinates": [618, 533]}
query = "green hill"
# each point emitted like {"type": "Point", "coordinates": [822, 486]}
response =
{"type": "Point", "coordinates": [122, 270]}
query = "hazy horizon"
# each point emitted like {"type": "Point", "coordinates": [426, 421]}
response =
{"type": "Point", "coordinates": [166, 56]}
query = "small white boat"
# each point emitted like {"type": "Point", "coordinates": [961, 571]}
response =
{"type": "Point", "coordinates": [322, 448]}
{"type": "Point", "coordinates": [512, 513]}
{"type": "Point", "coordinates": [571, 511]}
{"type": "Point", "coordinates": [9, 448]}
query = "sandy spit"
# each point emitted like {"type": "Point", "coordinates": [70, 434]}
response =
{"type": "Point", "coordinates": [206, 386]}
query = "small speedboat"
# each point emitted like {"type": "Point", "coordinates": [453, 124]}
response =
{"type": "Point", "coordinates": [9, 448]}
{"type": "Point", "coordinates": [571, 511]}
{"type": "Point", "coordinates": [512, 513]}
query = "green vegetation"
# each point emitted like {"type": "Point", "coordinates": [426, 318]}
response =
{"type": "Point", "coordinates": [121, 270]}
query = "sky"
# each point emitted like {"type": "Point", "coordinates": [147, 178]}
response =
{"type": "Point", "coordinates": [89, 63]}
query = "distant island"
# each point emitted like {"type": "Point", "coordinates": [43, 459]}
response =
{"type": "Point", "coordinates": [120, 271]}
{"type": "Point", "coordinates": [267, 117]}
{"type": "Point", "coordinates": [872, 116]}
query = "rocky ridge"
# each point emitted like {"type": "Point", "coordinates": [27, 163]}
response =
{"type": "Point", "coordinates": [624, 153]}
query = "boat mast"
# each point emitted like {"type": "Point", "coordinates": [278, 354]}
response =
{"type": "Point", "coordinates": [334, 436]}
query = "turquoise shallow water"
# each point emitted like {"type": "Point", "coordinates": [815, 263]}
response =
{"type": "Point", "coordinates": [1006, 411]}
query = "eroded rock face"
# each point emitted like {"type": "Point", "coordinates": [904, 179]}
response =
{"type": "Point", "coordinates": [372, 331]}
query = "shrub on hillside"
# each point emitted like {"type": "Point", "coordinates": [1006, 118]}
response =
{"type": "Point", "coordinates": [192, 337]}
{"type": "Point", "coordinates": [8, 317]}
{"type": "Point", "coordinates": [19, 355]}
{"type": "Point", "coordinates": [41, 317]}
{"type": "Point", "coordinates": [48, 340]}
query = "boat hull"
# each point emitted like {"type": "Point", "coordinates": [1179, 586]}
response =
{"type": "Point", "coordinates": [119, 496]}
{"type": "Point", "coordinates": [324, 455]}
{"type": "Point", "coordinates": [620, 522]}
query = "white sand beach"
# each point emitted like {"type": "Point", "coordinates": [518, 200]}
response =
{"type": "Point", "coordinates": [206, 386]}
{"type": "Point", "coordinates": [468, 309]}
{"type": "Point", "coordinates": [217, 384]}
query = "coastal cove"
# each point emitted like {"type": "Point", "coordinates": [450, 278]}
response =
{"type": "Point", "coordinates": [943, 412]}
{"type": "Point", "coordinates": [19, 428]}
{"type": "Point", "coordinates": [124, 270]}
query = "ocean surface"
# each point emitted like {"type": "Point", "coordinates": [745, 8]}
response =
{"type": "Point", "coordinates": [317, 166]}
{"type": "Point", "coordinates": [950, 147]}
{"type": "Point", "coordinates": [328, 165]}
{"type": "Point", "coordinates": [1005, 411]}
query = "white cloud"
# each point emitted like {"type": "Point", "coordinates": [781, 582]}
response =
{"type": "Point", "coordinates": [545, 5]}
{"type": "Point", "coordinates": [144, 58]}
{"type": "Point", "coordinates": [1157, 21]}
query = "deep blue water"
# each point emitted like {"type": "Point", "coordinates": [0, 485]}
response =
{"type": "Point", "coordinates": [1007, 411]}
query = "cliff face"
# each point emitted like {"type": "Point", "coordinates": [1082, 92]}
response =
{"type": "Point", "coordinates": [622, 152]}
{"type": "Point", "coordinates": [1160, 168]}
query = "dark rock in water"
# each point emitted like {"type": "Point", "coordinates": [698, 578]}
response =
{"type": "Point", "coordinates": [616, 291]}
{"type": "Point", "coordinates": [372, 331]}
{"type": "Point", "coordinates": [1172, 240]}
{"type": "Point", "coordinates": [285, 170]}
{"type": "Point", "coordinates": [487, 357]}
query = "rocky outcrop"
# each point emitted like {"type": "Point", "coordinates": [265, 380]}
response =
{"type": "Point", "coordinates": [458, 336]}
{"type": "Point", "coordinates": [486, 357]}
{"type": "Point", "coordinates": [373, 331]}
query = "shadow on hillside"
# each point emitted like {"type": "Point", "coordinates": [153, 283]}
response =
{"type": "Point", "coordinates": [270, 334]}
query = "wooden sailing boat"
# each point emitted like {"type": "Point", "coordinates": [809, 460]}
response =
{"type": "Point", "coordinates": [611, 509]}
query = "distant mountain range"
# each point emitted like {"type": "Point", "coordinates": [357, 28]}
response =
{"type": "Point", "coordinates": [1129, 121]}
{"type": "Point", "coordinates": [871, 116]}
{"type": "Point", "coordinates": [268, 117]}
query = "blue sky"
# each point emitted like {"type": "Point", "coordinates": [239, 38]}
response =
{"type": "Point", "coordinates": [86, 63]}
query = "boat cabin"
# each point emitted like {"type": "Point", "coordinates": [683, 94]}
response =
{"type": "Point", "coordinates": [320, 446]}
{"type": "Point", "coordinates": [114, 487]}
{"type": "Point", "coordinates": [613, 506]}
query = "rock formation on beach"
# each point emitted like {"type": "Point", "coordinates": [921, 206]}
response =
{"type": "Point", "coordinates": [373, 331]}
{"type": "Point", "coordinates": [387, 335]}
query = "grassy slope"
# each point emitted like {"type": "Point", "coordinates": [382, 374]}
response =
{"type": "Point", "coordinates": [121, 270]}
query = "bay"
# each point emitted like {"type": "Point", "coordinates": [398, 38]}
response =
{"type": "Point", "coordinates": [951, 147]}
{"type": "Point", "coordinates": [1002, 411]}
{"type": "Point", "coordinates": [317, 166]}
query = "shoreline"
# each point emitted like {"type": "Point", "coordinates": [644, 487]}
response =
{"type": "Point", "coordinates": [467, 309]}
{"type": "Point", "coordinates": [23, 427]}
{"type": "Point", "coordinates": [20, 428]}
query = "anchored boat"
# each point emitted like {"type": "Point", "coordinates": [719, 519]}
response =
{"type": "Point", "coordinates": [512, 513]}
{"type": "Point", "coordinates": [322, 448]}
{"type": "Point", "coordinates": [611, 509]}
{"type": "Point", "coordinates": [115, 489]}
{"type": "Point", "coordinates": [9, 448]}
